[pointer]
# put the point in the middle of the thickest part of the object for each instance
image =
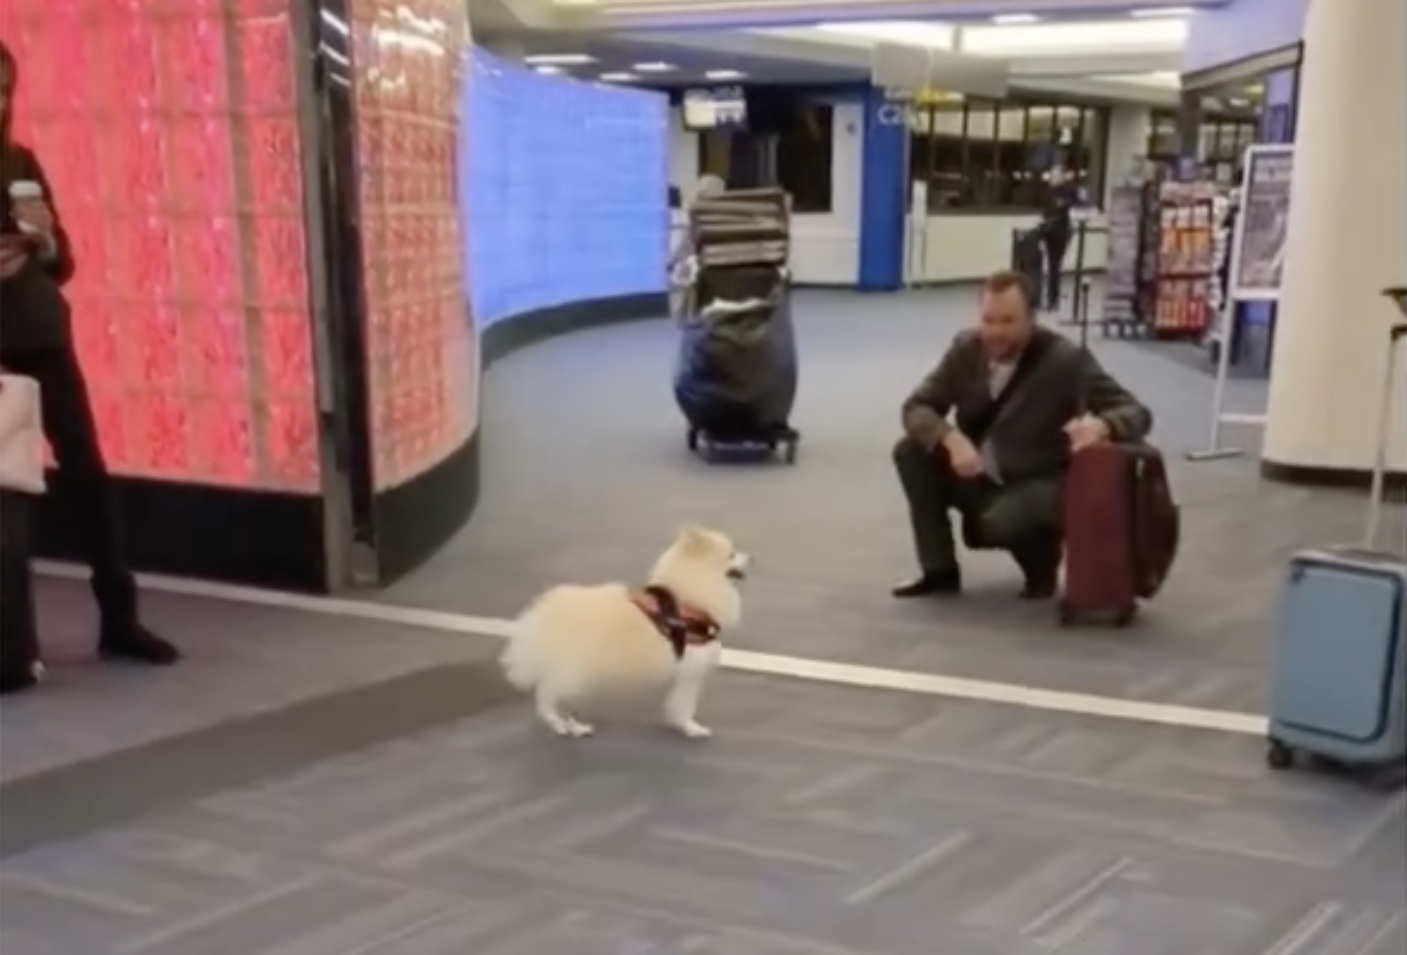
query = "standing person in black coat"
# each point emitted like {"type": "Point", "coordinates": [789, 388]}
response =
{"type": "Point", "coordinates": [1056, 227]}
{"type": "Point", "coordinates": [36, 340]}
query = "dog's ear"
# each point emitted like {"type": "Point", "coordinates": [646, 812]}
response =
{"type": "Point", "coordinates": [692, 535]}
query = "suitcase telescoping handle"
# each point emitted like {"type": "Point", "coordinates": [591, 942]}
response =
{"type": "Point", "coordinates": [1378, 490]}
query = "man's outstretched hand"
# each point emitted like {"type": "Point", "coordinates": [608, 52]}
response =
{"type": "Point", "coordinates": [1086, 431]}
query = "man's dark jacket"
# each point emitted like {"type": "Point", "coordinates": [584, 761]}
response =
{"type": "Point", "coordinates": [1054, 381]}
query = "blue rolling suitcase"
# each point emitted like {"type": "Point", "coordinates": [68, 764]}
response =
{"type": "Point", "coordinates": [1340, 684]}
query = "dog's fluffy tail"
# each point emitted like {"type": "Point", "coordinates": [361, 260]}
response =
{"type": "Point", "coordinates": [521, 659]}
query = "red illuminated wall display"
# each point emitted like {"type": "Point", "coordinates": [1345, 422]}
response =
{"type": "Point", "coordinates": [409, 60]}
{"type": "Point", "coordinates": [171, 132]}
{"type": "Point", "coordinates": [168, 129]}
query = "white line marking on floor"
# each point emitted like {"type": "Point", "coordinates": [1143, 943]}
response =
{"type": "Point", "coordinates": [745, 661]}
{"type": "Point", "coordinates": [308, 603]}
{"type": "Point", "coordinates": [1013, 694]}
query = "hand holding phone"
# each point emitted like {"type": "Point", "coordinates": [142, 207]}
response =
{"type": "Point", "coordinates": [27, 206]}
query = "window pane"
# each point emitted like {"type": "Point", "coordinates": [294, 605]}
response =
{"type": "Point", "coordinates": [1067, 124]}
{"type": "Point", "coordinates": [945, 184]}
{"type": "Point", "coordinates": [997, 155]}
{"type": "Point", "coordinates": [1011, 155]}
{"type": "Point", "coordinates": [920, 143]}
{"type": "Point", "coordinates": [715, 153]}
{"type": "Point", "coordinates": [1206, 141]}
{"type": "Point", "coordinates": [1092, 154]}
{"type": "Point", "coordinates": [1040, 135]}
{"type": "Point", "coordinates": [805, 153]}
{"type": "Point", "coordinates": [980, 185]}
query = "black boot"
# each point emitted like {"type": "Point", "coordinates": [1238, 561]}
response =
{"type": "Point", "coordinates": [128, 639]}
{"type": "Point", "coordinates": [14, 681]}
{"type": "Point", "coordinates": [931, 583]}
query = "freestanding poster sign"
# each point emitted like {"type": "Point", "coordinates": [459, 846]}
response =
{"type": "Point", "coordinates": [1257, 262]}
{"type": "Point", "coordinates": [1259, 242]}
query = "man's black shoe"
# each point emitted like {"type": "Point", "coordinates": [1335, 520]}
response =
{"type": "Point", "coordinates": [1040, 588]}
{"type": "Point", "coordinates": [135, 643]}
{"type": "Point", "coordinates": [930, 584]}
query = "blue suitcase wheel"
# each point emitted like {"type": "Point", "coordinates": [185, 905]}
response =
{"type": "Point", "coordinates": [1279, 756]}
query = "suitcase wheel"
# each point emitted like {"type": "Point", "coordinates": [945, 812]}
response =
{"type": "Point", "coordinates": [692, 439]}
{"type": "Point", "coordinates": [1067, 614]}
{"type": "Point", "coordinates": [1126, 617]}
{"type": "Point", "coordinates": [789, 452]}
{"type": "Point", "coordinates": [1279, 756]}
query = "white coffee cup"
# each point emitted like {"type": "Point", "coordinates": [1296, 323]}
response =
{"type": "Point", "coordinates": [26, 190]}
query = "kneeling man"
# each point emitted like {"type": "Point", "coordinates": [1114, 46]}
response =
{"type": "Point", "coordinates": [1022, 399]}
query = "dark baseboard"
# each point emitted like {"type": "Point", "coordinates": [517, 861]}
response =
{"type": "Point", "coordinates": [260, 538]}
{"type": "Point", "coordinates": [513, 332]}
{"type": "Point", "coordinates": [415, 519]}
{"type": "Point", "coordinates": [1351, 478]}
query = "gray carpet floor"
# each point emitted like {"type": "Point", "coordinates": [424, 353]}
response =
{"type": "Point", "coordinates": [586, 476]}
{"type": "Point", "coordinates": [317, 785]}
{"type": "Point", "coordinates": [241, 661]}
{"type": "Point", "coordinates": [819, 821]}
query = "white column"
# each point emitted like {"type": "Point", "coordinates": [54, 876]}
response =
{"type": "Point", "coordinates": [1347, 240]}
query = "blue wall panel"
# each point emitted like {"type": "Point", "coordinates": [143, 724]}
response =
{"type": "Point", "coordinates": [563, 189]}
{"type": "Point", "coordinates": [884, 193]}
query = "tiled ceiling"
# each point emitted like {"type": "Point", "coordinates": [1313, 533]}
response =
{"type": "Point", "coordinates": [839, 51]}
{"type": "Point", "coordinates": [656, 64]}
{"type": "Point", "coordinates": [723, 13]}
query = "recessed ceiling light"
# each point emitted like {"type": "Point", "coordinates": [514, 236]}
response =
{"type": "Point", "coordinates": [547, 69]}
{"type": "Point", "coordinates": [655, 67]}
{"type": "Point", "coordinates": [724, 75]}
{"type": "Point", "coordinates": [616, 77]}
{"type": "Point", "coordinates": [1015, 19]}
{"type": "Point", "coordinates": [934, 36]}
{"type": "Point", "coordinates": [1153, 13]}
{"type": "Point", "coordinates": [559, 59]}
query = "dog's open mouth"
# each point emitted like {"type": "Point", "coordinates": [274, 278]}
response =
{"type": "Point", "coordinates": [736, 574]}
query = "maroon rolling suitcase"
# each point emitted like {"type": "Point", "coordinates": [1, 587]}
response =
{"type": "Point", "coordinates": [1121, 531]}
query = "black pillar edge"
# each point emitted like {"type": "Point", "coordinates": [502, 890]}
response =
{"type": "Point", "coordinates": [1311, 476]}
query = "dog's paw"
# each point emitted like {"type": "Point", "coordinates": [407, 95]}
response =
{"type": "Point", "coordinates": [693, 729]}
{"type": "Point", "coordinates": [576, 728]}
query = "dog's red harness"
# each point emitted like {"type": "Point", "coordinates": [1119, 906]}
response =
{"type": "Point", "coordinates": [682, 625]}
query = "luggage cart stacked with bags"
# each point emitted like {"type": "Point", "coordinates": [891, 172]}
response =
{"type": "Point", "coordinates": [736, 376]}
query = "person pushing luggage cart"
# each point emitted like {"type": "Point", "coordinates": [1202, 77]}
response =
{"type": "Point", "coordinates": [736, 376]}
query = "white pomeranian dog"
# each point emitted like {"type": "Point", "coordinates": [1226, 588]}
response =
{"type": "Point", "coordinates": [583, 642]}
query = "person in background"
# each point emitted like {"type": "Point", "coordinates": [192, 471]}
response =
{"type": "Point", "coordinates": [1056, 227]}
{"type": "Point", "coordinates": [708, 186]}
{"type": "Point", "coordinates": [36, 340]}
{"type": "Point", "coordinates": [1023, 399]}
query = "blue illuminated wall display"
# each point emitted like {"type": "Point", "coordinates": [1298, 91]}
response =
{"type": "Point", "coordinates": [563, 189]}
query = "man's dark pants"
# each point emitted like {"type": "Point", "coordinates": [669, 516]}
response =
{"type": "Point", "coordinates": [73, 436]}
{"type": "Point", "coordinates": [1022, 517]}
